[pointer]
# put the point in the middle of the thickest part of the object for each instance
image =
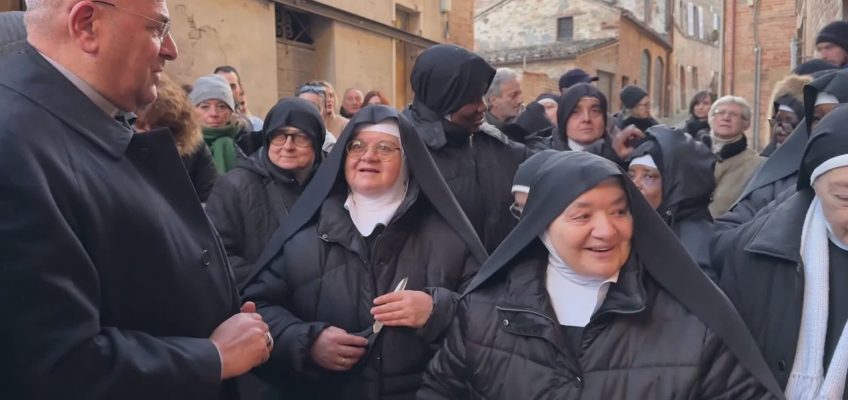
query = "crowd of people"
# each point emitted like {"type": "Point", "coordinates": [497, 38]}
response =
{"type": "Point", "coordinates": [161, 241]}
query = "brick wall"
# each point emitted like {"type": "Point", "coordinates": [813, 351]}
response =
{"type": "Point", "coordinates": [461, 24]}
{"type": "Point", "coordinates": [817, 14]}
{"type": "Point", "coordinates": [776, 26]}
{"type": "Point", "coordinates": [535, 83]}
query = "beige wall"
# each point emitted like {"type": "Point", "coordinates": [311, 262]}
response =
{"type": "Point", "coordinates": [239, 33]}
{"type": "Point", "coordinates": [383, 11]}
{"type": "Point", "coordinates": [364, 60]}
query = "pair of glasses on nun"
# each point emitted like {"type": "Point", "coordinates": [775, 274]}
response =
{"type": "Point", "coordinates": [299, 139]}
{"type": "Point", "coordinates": [384, 151]}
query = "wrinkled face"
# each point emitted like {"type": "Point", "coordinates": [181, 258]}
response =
{"type": "Point", "coordinates": [508, 104]}
{"type": "Point", "coordinates": [131, 43]}
{"type": "Point", "coordinates": [643, 108]}
{"type": "Point", "coordinates": [593, 234]}
{"type": "Point", "coordinates": [352, 101]}
{"type": "Point", "coordinates": [291, 150]}
{"type": "Point", "coordinates": [832, 189]}
{"type": "Point", "coordinates": [820, 111]}
{"type": "Point", "coordinates": [727, 121]}
{"type": "Point", "coordinates": [374, 172]}
{"type": "Point", "coordinates": [470, 116]}
{"type": "Point", "coordinates": [702, 108]}
{"type": "Point", "coordinates": [315, 99]}
{"type": "Point", "coordinates": [235, 85]}
{"type": "Point", "coordinates": [782, 125]}
{"type": "Point", "coordinates": [551, 108]}
{"type": "Point", "coordinates": [586, 123]}
{"type": "Point", "coordinates": [832, 53]}
{"type": "Point", "coordinates": [214, 113]}
{"type": "Point", "coordinates": [649, 182]}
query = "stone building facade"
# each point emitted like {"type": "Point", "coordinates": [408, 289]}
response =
{"type": "Point", "coordinates": [697, 54]}
{"type": "Point", "coordinates": [278, 45]}
{"type": "Point", "coordinates": [611, 39]}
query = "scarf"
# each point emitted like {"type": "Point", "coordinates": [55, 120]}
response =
{"type": "Point", "coordinates": [575, 297]}
{"type": "Point", "coordinates": [222, 144]}
{"type": "Point", "coordinates": [807, 380]}
{"type": "Point", "coordinates": [719, 143]}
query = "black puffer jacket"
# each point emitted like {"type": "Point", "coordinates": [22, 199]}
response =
{"type": "Point", "coordinates": [322, 272]}
{"type": "Point", "coordinates": [477, 167]}
{"type": "Point", "coordinates": [641, 344]}
{"type": "Point", "coordinates": [246, 206]}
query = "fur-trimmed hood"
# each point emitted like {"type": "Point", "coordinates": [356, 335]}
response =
{"type": "Point", "coordinates": [792, 85]}
{"type": "Point", "coordinates": [187, 140]}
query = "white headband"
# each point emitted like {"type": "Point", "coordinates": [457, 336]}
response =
{"type": "Point", "coordinates": [543, 101]}
{"type": "Point", "coordinates": [784, 107]}
{"type": "Point", "coordinates": [833, 163]}
{"type": "Point", "coordinates": [826, 98]}
{"type": "Point", "coordinates": [645, 161]}
{"type": "Point", "coordinates": [388, 127]}
{"type": "Point", "coordinates": [521, 189]}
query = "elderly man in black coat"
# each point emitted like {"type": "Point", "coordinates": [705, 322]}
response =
{"type": "Point", "coordinates": [115, 285]}
{"type": "Point", "coordinates": [476, 160]}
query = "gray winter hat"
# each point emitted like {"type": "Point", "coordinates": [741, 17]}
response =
{"type": "Point", "coordinates": [212, 87]}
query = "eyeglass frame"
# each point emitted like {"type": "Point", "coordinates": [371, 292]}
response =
{"type": "Point", "coordinates": [373, 146]}
{"type": "Point", "coordinates": [772, 122]}
{"type": "Point", "coordinates": [294, 137]}
{"type": "Point", "coordinates": [164, 26]}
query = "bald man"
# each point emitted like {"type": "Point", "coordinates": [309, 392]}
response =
{"type": "Point", "coordinates": [114, 284]}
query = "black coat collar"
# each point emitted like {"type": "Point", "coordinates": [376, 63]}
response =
{"type": "Point", "coordinates": [26, 72]}
{"type": "Point", "coordinates": [780, 235]}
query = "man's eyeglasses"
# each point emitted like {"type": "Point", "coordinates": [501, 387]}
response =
{"type": "Point", "coordinates": [731, 114]}
{"type": "Point", "coordinates": [385, 151]}
{"type": "Point", "coordinates": [299, 139]}
{"type": "Point", "coordinates": [163, 28]}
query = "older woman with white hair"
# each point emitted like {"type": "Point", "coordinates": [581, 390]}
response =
{"type": "Point", "coordinates": [361, 279]}
{"type": "Point", "coordinates": [730, 117]}
{"type": "Point", "coordinates": [785, 272]}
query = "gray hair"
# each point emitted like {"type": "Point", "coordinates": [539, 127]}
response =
{"type": "Point", "coordinates": [502, 76]}
{"type": "Point", "coordinates": [742, 103]}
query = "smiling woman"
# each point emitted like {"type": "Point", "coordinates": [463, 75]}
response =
{"type": "Point", "coordinates": [592, 297]}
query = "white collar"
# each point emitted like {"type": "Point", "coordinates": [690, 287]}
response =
{"type": "Point", "coordinates": [575, 146]}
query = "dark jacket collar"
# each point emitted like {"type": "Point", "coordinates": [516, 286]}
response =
{"type": "Point", "coordinates": [27, 73]}
{"type": "Point", "coordinates": [428, 124]}
{"type": "Point", "coordinates": [780, 235]}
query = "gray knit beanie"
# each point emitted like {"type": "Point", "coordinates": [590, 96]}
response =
{"type": "Point", "coordinates": [212, 87]}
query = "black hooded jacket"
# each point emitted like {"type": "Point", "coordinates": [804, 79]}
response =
{"type": "Point", "coordinates": [778, 175]}
{"type": "Point", "coordinates": [687, 169]}
{"type": "Point", "coordinates": [319, 272]}
{"type": "Point", "coordinates": [247, 204]}
{"type": "Point", "coordinates": [477, 166]}
{"type": "Point", "coordinates": [664, 330]}
{"type": "Point", "coordinates": [533, 121]}
{"type": "Point", "coordinates": [763, 268]}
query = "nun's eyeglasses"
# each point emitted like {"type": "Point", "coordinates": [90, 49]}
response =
{"type": "Point", "coordinates": [299, 139]}
{"type": "Point", "coordinates": [384, 150]}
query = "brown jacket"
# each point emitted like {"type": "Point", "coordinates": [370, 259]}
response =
{"type": "Point", "coordinates": [732, 174]}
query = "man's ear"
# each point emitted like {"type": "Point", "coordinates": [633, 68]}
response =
{"type": "Point", "coordinates": [84, 27]}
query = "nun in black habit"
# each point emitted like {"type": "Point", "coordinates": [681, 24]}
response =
{"type": "Point", "coordinates": [776, 178]}
{"type": "Point", "coordinates": [582, 126]}
{"type": "Point", "coordinates": [247, 204]}
{"type": "Point", "coordinates": [786, 274]}
{"type": "Point", "coordinates": [476, 160]}
{"type": "Point", "coordinates": [377, 214]}
{"type": "Point", "coordinates": [592, 297]}
{"type": "Point", "coordinates": [676, 174]}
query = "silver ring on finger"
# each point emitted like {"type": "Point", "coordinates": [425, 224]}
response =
{"type": "Point", "coordinates": [269, 341]}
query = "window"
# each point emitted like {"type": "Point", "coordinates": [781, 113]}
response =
{"type": "Point", "coordinates": [716, 22]}
{"type": "Point", "coordinates": [659, 86]}
{"type": "Point", "coordinates": [645, 71]}
{"type": "Point", "coordinates": [293, 26]}
{"type": "Point", "coordinates": [648, 10]}
{"type": "Point", "coordinates": [700, 20]}
{"type": "Point", "coordinates": [695, 78]}
{"type": "Point", "coordinates": [690, 21]}
{"type": "Point", "coordinates": [683, 98]}
{"type": "Point", "coordinates": [565, 28]}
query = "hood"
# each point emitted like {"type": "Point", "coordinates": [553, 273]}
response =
{"type": "Point", "coordinates": [790, 91]}
{"type": "Point", "coordinates": [567, 104]}
{"type": "Point", "coordinates": [687, 167]}
{"type": "Point", "coordinates": [446, 77]}
{"type": "Point", "coordinates": [296, 113]}
{"type": "Point", "coordinates": [532, 120]}
{"type": "Point", "coordinates": [835, 83]}
{"type": "Point", "coordinates": [828, 140]}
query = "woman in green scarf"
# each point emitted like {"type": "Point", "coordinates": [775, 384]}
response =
{"type": "Point", "coordinates": [213, 101]}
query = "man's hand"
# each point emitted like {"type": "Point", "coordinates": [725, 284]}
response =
{"type": "Point", "coordinates": [336, 350]}
{"type": "Point", "coordinates": [241, 341]}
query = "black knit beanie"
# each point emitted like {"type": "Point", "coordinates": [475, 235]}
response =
{"type": "Point", "coordinates": [835, 32]}
{"type": "Point", "coordinates": [631, 95]}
